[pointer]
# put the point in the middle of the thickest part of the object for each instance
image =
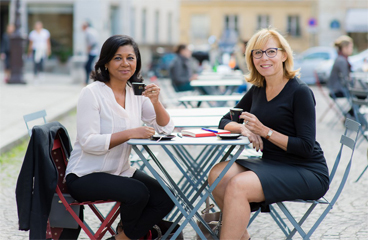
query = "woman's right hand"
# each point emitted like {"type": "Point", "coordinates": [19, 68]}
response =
{"type": "Point", "coordinates": [143, 132]}
{"type": "Point", "coordinates": [255, 139]}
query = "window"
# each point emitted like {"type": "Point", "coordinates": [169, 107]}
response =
{"type": "Point", "coordinates": [157, 24]}
{"type": "Point", "coordinates": [293, 25]}
{"type": "Point", "coordinates": [132, 22]}
{"type": "Point", "coordinates": [263, 21]}
{"type": "Point", "coordinates": [144, 25]}
{"type": "Point", "coordinates": [231, 22]}
{"type": "Point", "coordinates": [199, 27]}
{"type": "Point", "coordinates": [169, 27]}
{"type": "Point", "coordinates": [114, 19]}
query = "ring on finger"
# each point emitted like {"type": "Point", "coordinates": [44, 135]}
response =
{"type": "Point", "coordinates": [153, 91]}
{"type": "Point", "coordinates": [246, 122]}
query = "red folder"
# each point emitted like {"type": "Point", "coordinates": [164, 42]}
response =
{"type": "Point", "coordinates": [203, 133]}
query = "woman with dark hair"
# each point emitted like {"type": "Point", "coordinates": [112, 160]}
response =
{"type": "Point", "coordinates": [108, 115]}
{"type": "Point", "coordinates": [181, 71]}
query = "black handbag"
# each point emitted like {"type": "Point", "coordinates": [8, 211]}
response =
{"type": "Point", "coordinates": [164, 225]}
{"type": "Point", "coordinates": [213, 220]}
{"type": "Point", "coordinates": [59, 217]}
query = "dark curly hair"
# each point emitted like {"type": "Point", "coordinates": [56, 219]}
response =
{"type": "Point", "coordinates": [108, 50]}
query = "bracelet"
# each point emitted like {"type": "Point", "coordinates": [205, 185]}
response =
{"type": "Point", "coordinates": [269, 133]}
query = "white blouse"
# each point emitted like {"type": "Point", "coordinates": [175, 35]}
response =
{"type": "Point", "coordinates": [98, 116]}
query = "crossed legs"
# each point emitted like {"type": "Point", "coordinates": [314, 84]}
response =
{"type": "Point", "coordinates": [233, 194]}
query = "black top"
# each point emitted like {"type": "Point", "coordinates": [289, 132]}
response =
{"type": "Point", "coordinates": [291, 112]}
{"type": "Point", "coordinates": [339, 76]}
{"type": "Point", "coordinates": [180, 70]}
{"type": "Point", "coordinates": [5, 44]}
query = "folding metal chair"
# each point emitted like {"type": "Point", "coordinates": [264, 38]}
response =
{"type": "Point", "coordinates": [60, 159]}
{"type": "Point", "coordinates": [33, 117]}
{"type": "Point", "coordinates": [351, 126]}
{"type": "Point", "coordinates": [328, 99]}
{"type": "Point", "coordinates": [360, 107]}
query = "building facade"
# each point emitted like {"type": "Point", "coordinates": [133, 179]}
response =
{"type": "Point", "coordinates": [150, 23]}
{"type": "Point", "coordinates": [218, 19]}
{"type": "Point", "coordinates": [340, 17]}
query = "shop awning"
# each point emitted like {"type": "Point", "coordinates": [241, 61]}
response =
{"type": "Point", "coordinates": [357, 20]}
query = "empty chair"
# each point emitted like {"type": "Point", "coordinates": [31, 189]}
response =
{"type": "Point", "coordinates": [360, 107]}
{"type": "Point", "coordinates": [32, 117]}
{"type": "Point", "coordinates": [328, 99]}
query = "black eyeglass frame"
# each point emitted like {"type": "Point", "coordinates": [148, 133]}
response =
{"type": "Point", "coordinates": [265, 51]}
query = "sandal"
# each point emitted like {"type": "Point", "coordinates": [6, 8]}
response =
{"type": "Point", "coordinates": [156, 232]}
{"type": "Point", "coordinates": [119, 227]}
{"type": "Point", "coordinates": [148, 236]}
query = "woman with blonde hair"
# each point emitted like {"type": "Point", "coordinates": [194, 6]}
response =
{"type": "Point", "coordinates": [280, 120]}
{"type": "Point", "coordinates": [339, 77]}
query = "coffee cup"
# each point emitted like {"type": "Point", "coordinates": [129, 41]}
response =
{"type": "Point", "coordinates": [235, 113]}
{"type": "Point", "coordinates": [138, 88]}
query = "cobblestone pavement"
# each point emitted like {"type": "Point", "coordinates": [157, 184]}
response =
{"type": "Point", "coordinates": [347, 220]}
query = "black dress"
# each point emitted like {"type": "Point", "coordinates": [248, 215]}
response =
{"type": "Point", "coordinates": [301, 171]}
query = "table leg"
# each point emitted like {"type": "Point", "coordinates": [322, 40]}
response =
{"type": "Point", "coordinates": [200, 174]}
{"type": "Point", "coordinates": [222, 174]}
{"type": "Point", "coordinates": [167, 190]}
{"type": "Point", "coordinates": [187, 208]}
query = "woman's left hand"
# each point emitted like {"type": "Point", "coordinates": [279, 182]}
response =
{"type": "Point", "coordinates": [252, 123]}
{"type": "Point", "coordinates": [152, 91]}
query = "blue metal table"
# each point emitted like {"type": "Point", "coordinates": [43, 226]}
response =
{"type": "Point", "coordinates": [189, 194]}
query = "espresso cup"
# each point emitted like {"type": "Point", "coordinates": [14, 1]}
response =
{"type": "Point", "coordinates": [138, 88]}
{"type": "Point", "coordinates": [235, 113]}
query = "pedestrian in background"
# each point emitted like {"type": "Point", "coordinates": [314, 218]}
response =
{"type": "Point", "coordinates": [239, 53]}
{"type": "Point", "coordinates": [5, 50]}
{"type": "Point", "coordinates": [92, 47]}
{"type": "Point", "coordinates": [339, 80]}
{"type": "Point", "coordinates": [39, 46]}
{"type": "Point", "coordinates": [241, 64]}
{"type": "Point", "coordinates": [181, 69]}
{"type": "Point", "coordinates": [339, 77]}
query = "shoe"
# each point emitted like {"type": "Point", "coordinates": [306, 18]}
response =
{"type": "Point", "coordinates": [148, 236]}
{"type": "Point", "coordinates": [156, 232]}
{"type": "Point", "coordinates": [119, 227]}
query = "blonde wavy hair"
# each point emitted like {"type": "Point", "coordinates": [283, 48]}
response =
{"type": "Point", "coordinates": [343, 41]}
{"type": "Point", "coordinates": [257, 41]}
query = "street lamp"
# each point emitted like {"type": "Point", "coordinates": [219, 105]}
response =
{"type": "Point", "coordinates": [16, 51]}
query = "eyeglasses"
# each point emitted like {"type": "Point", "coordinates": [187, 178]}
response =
{"type": "Point", "coordinates": [270, 52]}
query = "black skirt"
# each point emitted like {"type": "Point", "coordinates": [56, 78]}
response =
{"type": "Point", "coordinates": [282, 182]}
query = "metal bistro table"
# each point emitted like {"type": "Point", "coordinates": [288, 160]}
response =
{"type": "Point", "coordinates": [187, 100]}
{"type": "Point", "coordinates": [230, 84]}
{"type": "Point", "coordinates": [189, 202]}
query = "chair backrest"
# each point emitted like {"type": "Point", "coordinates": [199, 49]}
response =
{"type": "Point", "coordinates": [60, 160]}
{"type": "Point", "coordinates": [358, 92]}
{"type": "Point", "coordinates": [359, 99]}
{"type": "Point", "coordinates": [360, 116]}
{"type": "Point", "coordinates": [34, 116]}
{"type": "Point", "coordinates": [352, 128]}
